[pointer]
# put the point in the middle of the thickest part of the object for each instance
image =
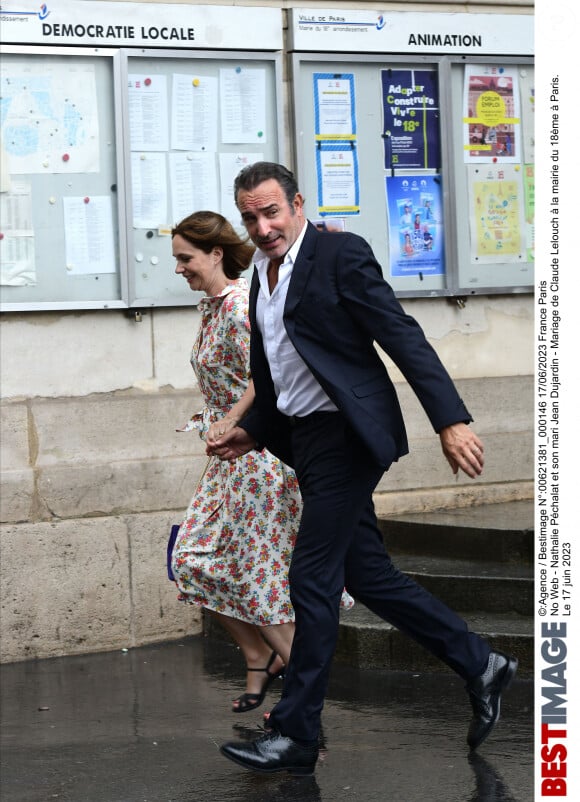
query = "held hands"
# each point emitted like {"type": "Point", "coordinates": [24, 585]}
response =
{"type": "Point", "coordinates": [228, 446]}
{"type": "Point", "coordinates": [462, 448]}
{"type": "Point", "coordinates": [220, 427]}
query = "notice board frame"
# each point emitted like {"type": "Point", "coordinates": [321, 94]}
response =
{"type": "Point", "coordinates": [49, 191]}
{"type": "Point", "coordinates": [372, 225]}
{"type": "Point", "coordinates": [148, 246]}
{"type": "Point", "coordinates": [125, 294]}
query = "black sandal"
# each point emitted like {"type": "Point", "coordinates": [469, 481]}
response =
{"type": "Point", "coordinates": [250, 701]}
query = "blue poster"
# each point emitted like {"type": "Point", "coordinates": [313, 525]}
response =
{"type": "Point", "coordinates": [411, 119]}
{"type": "Point", "coordinates": [415, 225]}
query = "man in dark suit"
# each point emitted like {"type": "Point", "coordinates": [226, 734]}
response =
{"type": "Point", "coordinates": [326, 405]}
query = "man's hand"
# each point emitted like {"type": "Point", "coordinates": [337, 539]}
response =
{"type": "Point", "coordinates": [231, 445]}
{"type": "Point", "coordinates": [462, 448]}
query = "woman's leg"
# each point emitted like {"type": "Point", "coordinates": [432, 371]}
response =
{"type": "Point", "coordinates": [257, 651]}
{"type": "Point", "coordinates": [280, 637]}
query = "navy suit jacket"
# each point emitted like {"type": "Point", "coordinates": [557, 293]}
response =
{"type": "Point", "coordinates": [338, 305]}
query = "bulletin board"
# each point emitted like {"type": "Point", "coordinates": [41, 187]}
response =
{"type": "Point", "coordinates": [360, 157]}
{"type": "Point", "coordinates": [61, 242]}
{"type": "Point", "coordinates": [195, 120]}
{"type": "Point", "coordinates": [98, 173]}
{"type": "Point", "coordinates": [383, 149]}
{"type": "Point", "coordinates": [491, 164]}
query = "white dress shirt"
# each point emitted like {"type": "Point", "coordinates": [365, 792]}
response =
{"type": "Point", "coordinates": [297, 390]}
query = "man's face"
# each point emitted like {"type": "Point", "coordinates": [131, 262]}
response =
{"type": "Point", "coordinates": [271, 222]}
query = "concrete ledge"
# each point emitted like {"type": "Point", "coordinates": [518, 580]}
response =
{"type": "Point", "coordinates": [441, 498]}
{"type": "Point", "coordinates": [82, 586]}
{"type": "Point", "coordinates": [17, 495]}
{"type": "Point", "coordinates": [73, 491]}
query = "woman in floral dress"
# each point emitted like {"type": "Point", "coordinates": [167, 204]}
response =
{"type": "Point", "coordinates": [233, 549]}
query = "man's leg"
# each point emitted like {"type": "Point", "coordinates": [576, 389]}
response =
{"type": "Point", "coordinates": [336, 481]}
{"type": "Point", "coordinates": [372, 579]}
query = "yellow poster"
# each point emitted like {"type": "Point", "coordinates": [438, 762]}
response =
{"type": "Point", "coordinates": [491, 121]}
{"type": "Point", "coordinates": [496, 214]}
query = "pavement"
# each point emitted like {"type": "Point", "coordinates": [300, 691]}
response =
{"type": "Point", "coordinates": [145, 725]}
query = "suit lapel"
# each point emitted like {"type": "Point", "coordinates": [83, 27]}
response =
{"type": "Point", "coordinates": [301, 271]}
{"type": "Point", "coordinates": [253, 298]}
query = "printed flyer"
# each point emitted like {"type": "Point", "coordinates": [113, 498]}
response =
{"type": "Point", "coordinates": [492, 123]}
{"type": "Point", "coordinates": [496, 213]}
{"type": "Point", "coordinates": [411, 119]}
{"type": "Point", "coordinates": [415, 225]}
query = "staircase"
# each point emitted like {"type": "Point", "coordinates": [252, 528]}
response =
{"type": "Point", "coordinates": [479, 561]}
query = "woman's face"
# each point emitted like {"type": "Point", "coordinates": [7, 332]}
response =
{"type": "Point", "coordinates": [202, 271]}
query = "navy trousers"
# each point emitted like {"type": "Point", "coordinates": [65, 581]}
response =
{"type": "Point", "coordinates": [340, 545]}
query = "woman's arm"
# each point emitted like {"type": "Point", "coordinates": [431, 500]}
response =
{"type": "Point", "coordinates": [236, 413]}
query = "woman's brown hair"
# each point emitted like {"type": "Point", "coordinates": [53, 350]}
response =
{"type": "Point", "coordinates": [206, 230]}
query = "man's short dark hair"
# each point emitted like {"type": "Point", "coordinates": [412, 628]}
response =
{"type": "Point", "coordinates": [256, 173]}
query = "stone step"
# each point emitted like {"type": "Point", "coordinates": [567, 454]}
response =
{"type": "Point", "coordinates": [473, 586]}
{"type": "Point", "coordinates": [492, 532]}
{"type": "Point", "coordinates": [477, 560]}
{"type": "Point", "coordinates": [366, 641]}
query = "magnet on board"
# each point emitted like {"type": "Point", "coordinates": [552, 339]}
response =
{"type": "Point", "coordinates": [86, 200]}
{"type": "Point", "coordinates": [147, 81]}
{"type": "Point", "coordinates": [65, 157]}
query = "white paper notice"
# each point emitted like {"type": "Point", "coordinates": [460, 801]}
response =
{"type": "Point", "coordinates": [149, 183]}
{"type": "Point", "coordinates": [334, 111]}
{"type": "Point", "coordinates": [193, 183]}
{"type": "Point", "coordinates": [16, 209]}
{"type": "Point", "coordinates": [230, 166]}
{"type": "Point", "coordinates": [88, 231]}
{"type": "Point", "coordinates": [243, 105]}
{"type": "Point", "coordinates": [148, 115]}
{"type": "Point", "coordinates": [17, 236]}
{"type": "Point", "coordinates": [195, 113]}
{"type": "Point", "coordinates": [338, 180]}
{"type": "Point", "coordinates": [17, 261]}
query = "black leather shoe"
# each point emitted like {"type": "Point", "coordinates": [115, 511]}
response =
{"type": "Point", "coordinates": [272, 752]}
{"type": "Point", "coordinates": [485, 696]}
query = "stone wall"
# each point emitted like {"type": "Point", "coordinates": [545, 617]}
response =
{"type": "Point", "coordinates": [91, 486]}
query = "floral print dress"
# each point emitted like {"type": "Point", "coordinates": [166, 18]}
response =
{"type": "Point", "coordinates": [233, 549]}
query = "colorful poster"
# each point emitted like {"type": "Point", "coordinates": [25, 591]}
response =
{"type": "Point", "coordinates": [415, 225]}
{"type": "Point", "coordinates": [491, 121]}
{"type": "Point", "coordinates": [411, 119]}
{"type": "Point", "coordinates": [496, 213]}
